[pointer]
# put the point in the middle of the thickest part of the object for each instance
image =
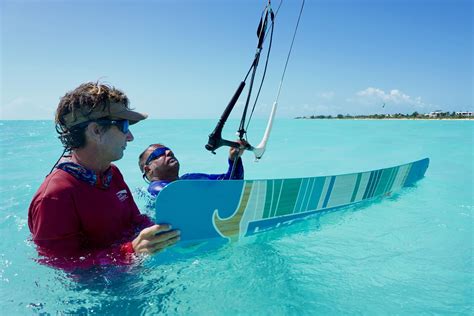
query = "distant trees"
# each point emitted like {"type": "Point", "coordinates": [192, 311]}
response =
{"type": "Point", "coordinates": [414, 115]}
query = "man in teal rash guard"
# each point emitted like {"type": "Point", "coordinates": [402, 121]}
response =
{"type": "Point", "coordinates": [160, 167]}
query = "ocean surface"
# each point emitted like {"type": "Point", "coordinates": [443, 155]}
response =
{"type": "Point", "coordinates": [411, 253]}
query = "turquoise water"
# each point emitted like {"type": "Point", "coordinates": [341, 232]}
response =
{"type": "Point", "coordinates": [410, 253]}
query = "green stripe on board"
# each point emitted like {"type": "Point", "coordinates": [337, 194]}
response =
{"type": "Point", "coordinates": [389, 180]}
{"type": "Point", "coordinates": [384, 179]}
{"type": "Point", "coordinates": [356, 188]}
{"type": "Point", "coordinates": [277, 190]}
{"type": "Point", "coordinates": [376, 182]}
{"type": "Point", "coordinates": [315, 194]}
{"type": "Point", "coordinates": [369, 184]}
{"type": "Point", "coordinates": [392, 180]}
{"type": "Point", "coordinates": [288, 197]}
{"type": "Point", "coordinates": [268, 198]}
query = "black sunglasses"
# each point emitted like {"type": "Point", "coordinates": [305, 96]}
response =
{"type": "Point", "coordinates": [122, 125]}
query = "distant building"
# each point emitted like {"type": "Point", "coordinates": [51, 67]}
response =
{"type": "Point", "coordinates": [465, 113]}
{"type": "Point", "coordinates": [436, 113]}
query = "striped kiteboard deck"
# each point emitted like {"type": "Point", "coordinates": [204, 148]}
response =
{"type": "Point", "coordinates": [204, 209]}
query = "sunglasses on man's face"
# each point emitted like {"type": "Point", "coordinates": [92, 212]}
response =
{"type": "Point", "coordinates": [157, 153]}
{"type": "Point", "coordinates": [122, 125]}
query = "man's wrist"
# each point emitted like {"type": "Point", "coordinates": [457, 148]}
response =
{"type": "Point", "coordinates": [127, 248]}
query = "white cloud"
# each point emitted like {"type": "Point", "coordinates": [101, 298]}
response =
{"type": "Point", "coordinates": [374, 100]}
{"type": "Point", "coordinates": [371, 95]}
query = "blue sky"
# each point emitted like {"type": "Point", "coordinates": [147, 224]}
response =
{"type": "Point", "coordinates": [184, 59]}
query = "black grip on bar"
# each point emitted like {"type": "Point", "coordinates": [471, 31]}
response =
{"type": "Point", "coordinates": [262, 27]}
{"type": "Point", "coordinates": [215, 138]}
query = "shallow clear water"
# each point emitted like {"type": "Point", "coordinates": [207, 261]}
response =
{"type": "Point", "coordinates": [410, 253]}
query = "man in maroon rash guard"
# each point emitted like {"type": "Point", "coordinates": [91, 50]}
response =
{"type": "Point", "coordinates": [83, 209]}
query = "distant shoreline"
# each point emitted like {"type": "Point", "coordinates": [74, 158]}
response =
{"type": "Point", "coordinates": [389, 119]}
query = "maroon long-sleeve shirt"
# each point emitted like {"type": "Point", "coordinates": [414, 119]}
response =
{"type": "Point", "coordinates": [70, 218]}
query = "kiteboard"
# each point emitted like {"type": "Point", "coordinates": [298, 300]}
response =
{"type": "Point", "coordinates": [232, 209]}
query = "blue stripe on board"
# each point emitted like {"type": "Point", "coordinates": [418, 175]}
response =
{"type": "Point", "coordinates": [376, 183]}
{"type": "Point", "coordinates": [307, 195]}
{"type": "Point", "coordinates": [300, 201]}
{"type": "Point", "coordinates": [315, 195]}
{"type": "Point", "coordinates": [417, 171]}
{"type": "Point", "coordinates": [328, 193]}
{"type": "Point", "coordinates": [369, 183]}
{"type": "Point", "coordinates": [356, 188]}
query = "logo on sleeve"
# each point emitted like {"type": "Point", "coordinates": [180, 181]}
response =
{"type": "Point", "coordinates": [122, 195]}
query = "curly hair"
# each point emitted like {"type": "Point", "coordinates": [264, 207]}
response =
{"type": "Point", "coordinates": [84, 100]}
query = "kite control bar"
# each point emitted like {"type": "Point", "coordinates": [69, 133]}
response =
{"type": "Point", "coordinates": [215, 138]}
